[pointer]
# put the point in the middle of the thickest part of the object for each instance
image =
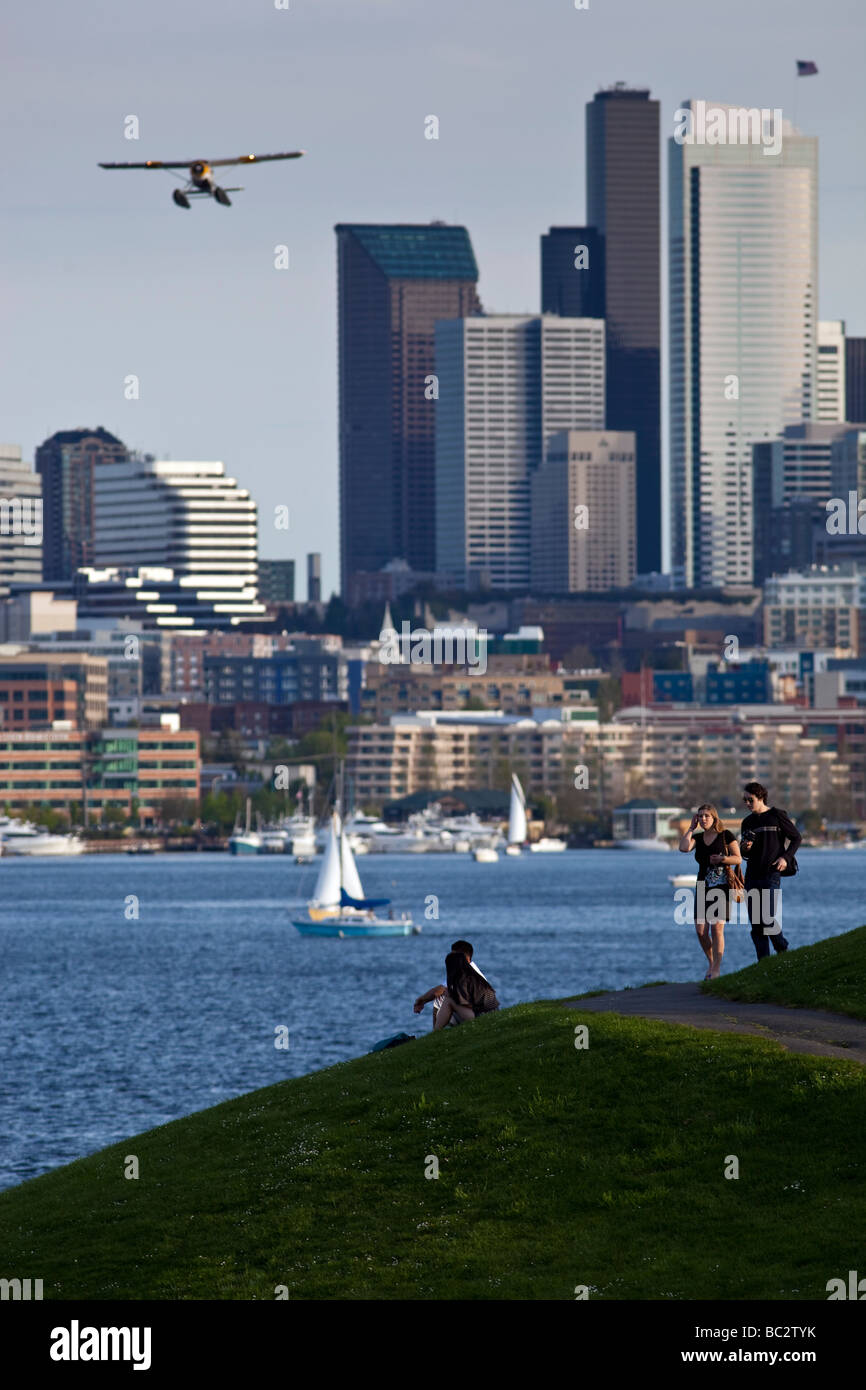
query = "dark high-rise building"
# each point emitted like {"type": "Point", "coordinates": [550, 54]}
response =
{"type": "Point", "coordinates": [276, 581]}
{"type": "Point", "coordinates": [66, 462]}
{"type": "Point", "coordinates": [622, 204]}
{"type": "Point", "coordinates": [314, 577]}
{"type": "Point", "coordinates": [394, 283]}
{"type": "Point", "coordinates": [572, 273]}
{"type": "Point", "coordinates": [855, 378]}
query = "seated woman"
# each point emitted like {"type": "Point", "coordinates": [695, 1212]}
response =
{"type": "Point", "coordinates": [467, 994]}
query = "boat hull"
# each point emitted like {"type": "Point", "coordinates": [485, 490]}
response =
{"type": "Point", "coordinates": [239, 845]}
{"type": "Point", "coordinates": [346, 929]}
{"type": "Point", "coordinates": [40, 846]}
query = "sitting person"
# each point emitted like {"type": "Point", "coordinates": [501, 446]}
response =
{"type": "Point", "coordinates": [440, 997]}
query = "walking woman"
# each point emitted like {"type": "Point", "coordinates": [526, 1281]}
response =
{"type": "Point", "coordinates": [719, 881]}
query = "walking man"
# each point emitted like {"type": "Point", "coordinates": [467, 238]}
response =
{"type": "Point", "coordinates": [764, 833]}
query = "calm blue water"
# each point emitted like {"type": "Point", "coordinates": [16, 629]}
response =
{"type": "Point", "coordinates": [110, 1026]}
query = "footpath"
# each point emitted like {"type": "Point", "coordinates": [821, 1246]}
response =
{"type": "Point", "coordinates": [799, 1030]}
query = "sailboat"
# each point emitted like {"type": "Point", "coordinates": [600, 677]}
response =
{"type": "Point", "coordinates": [517, 828]}
{"type": "Point", "coordinates": [338, 906]}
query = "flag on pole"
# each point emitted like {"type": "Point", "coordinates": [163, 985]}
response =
{"type": "Point", "coordinates": [806, 69]}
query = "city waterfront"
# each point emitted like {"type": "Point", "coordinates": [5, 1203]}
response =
{"type": "Point", "coordinates": [114, 1022]}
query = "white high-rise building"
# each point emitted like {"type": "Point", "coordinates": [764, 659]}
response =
{"type": "Point", "coordinates": [743, 321]}
{"type": "Point", "coordinates": [20, 519]}
{"type": "Point", "coordinates": [507, 383]}
{"type": "Point", "coordinates": [831, 370]}
{"type": "Point", "coordinates": [185, 517]}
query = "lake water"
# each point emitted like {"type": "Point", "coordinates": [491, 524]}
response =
{"type": "Point", "coordinates": [110, 1025]}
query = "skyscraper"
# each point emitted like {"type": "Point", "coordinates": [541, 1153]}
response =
{"type": "Point", "coordinates": [572, 273]}
{"type": "Point", "coordinates": [66, 462]}
{"type": "Point", "coordinates": [576, 551]}
{"type": "Point", "coordinates": [622, 204]}
{"type": "Point", "coordinates": [743, 322]}
{"type": "Point", "coordinates": [314, 577]}
{"type": "Point", "coordinates": [831, 370]}
{"type": "Point", "coordinates": [186, 517]}
{"type": "Point", "coordinates": [21, 519]}
{"type": "Point", "coordinates": [855, 378]}
{"type": "Point", "coordinates": [395, 282]}
{"type": "Point", "coordinates": [791, 482]}
{"type": "Point", "coordinates": [508, 382]}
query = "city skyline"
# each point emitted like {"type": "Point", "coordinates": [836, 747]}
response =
{"type": "Point", "coordinates": [247, 371]}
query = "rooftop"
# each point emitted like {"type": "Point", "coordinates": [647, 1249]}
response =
{"type": "Point", "coordinates": [431, 251]}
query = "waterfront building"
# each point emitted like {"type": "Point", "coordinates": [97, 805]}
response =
{"type": "Point", "coordinates": [91, 770]}
{"type": "Point", "coordinates": [743, 364]}
{"type": "Point", "coordinates": [583, 513]}
{"type": "Point", "coordinates": [507, 383]}
{"type": "Point", "coordinates": [394, 283]}
{"type": "Point", "coordinates": [675, 754]}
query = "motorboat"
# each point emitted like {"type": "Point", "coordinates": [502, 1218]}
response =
{"type": "Point", "coordinates": [683, 880]}
{"type": "Point", "coordinates": [20, 838]}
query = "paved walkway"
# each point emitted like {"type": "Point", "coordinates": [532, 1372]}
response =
{"type": "Point", "coordinates": [798, 1030]}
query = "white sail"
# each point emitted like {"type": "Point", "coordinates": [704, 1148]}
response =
{"type": "Point", "coordinates": [327, 892]}
{"type": "Point", "coordinates": [351, 877]}
{"type": "Point", "coordinates": [516, 813]}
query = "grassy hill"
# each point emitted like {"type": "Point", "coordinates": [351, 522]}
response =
{"type": "Point", "coordinates": [558, 1167]}
{"type": "Point", "coordinates": [830, 975]}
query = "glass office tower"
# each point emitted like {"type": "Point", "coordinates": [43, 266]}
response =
{"type": "Point", "coordinates": [743, 326]}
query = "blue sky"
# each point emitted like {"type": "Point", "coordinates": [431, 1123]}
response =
{"type": "Point", "coordinates": [103, 277]}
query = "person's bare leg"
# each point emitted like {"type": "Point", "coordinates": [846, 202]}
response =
{"type": "Point", "coordinates": [718, 950]}
{"type": "Point", "coordinates": [703, 932]}
{"type": "Point", "coordinates": [463, 1012]}
{"type": "Point", "coordinates": [443, 1016]}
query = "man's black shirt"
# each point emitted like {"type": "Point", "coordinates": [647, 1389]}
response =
{"type": "Point", "coordinates": [769, 831]}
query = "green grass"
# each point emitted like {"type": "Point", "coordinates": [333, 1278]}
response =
{"type": "Point", "coordinates": [558, 1167]}
{"type": "Point", "coordinates": [830, 975]}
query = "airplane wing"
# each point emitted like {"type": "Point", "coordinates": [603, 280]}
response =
{"type": "Point", "coordinates": [213, 163]}
{"type": "Point", "coordinates": [153, 164]}
{"type": "Point", "coordinates": [256, 158]}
